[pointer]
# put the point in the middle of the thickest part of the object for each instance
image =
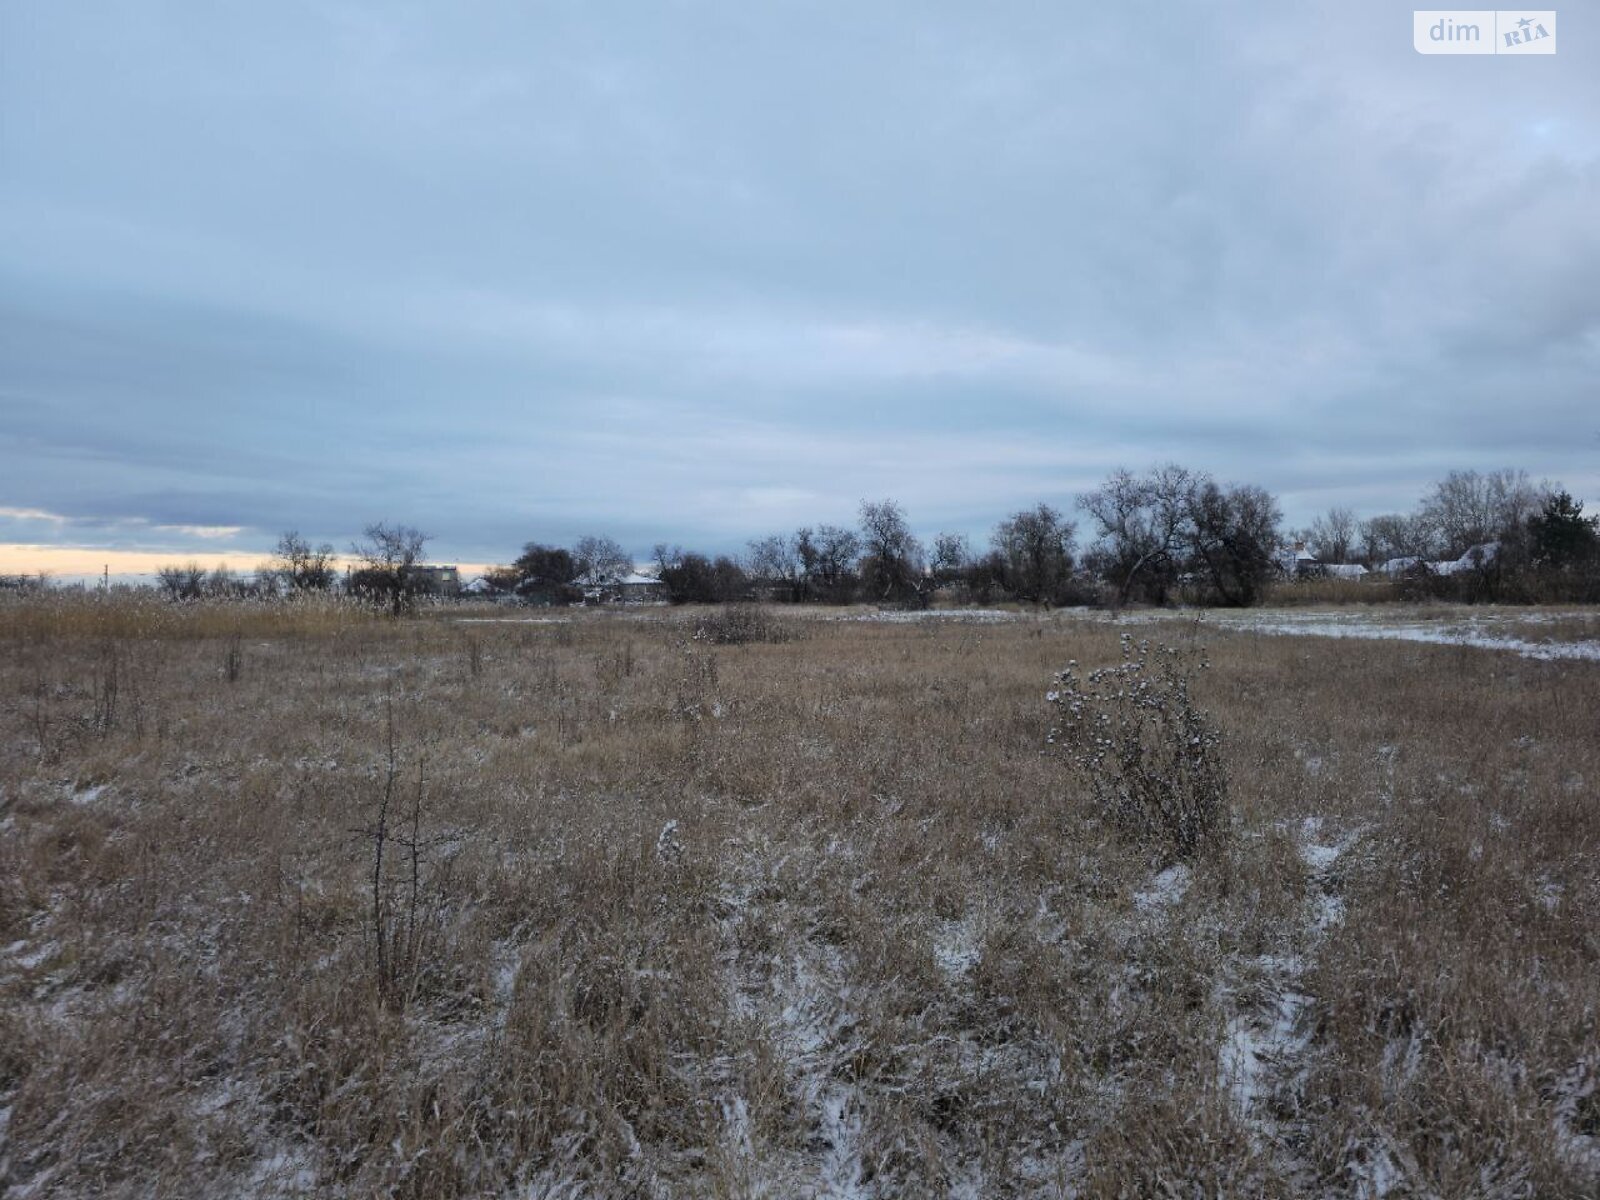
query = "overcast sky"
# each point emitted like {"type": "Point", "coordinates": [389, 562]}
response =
{"type": "Point", "coordinates": [701, 271]}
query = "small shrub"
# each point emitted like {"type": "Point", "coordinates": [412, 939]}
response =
{"type": "Point", "coordinates": [1151, 757]}
{"type": "Point", "coordinates": [740, 624]}
{"type": "Point", "coordinates": [694, 691]}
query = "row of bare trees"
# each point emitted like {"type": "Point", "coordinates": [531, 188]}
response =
{"type": "Point", "coordinates": [1150, 533]}
{"type": "Point", "coordinates": [1463, 510]}
{"type": "Point", "coordinates": [1150, 537]}
{"type": "Point", "coordinates": [385, 567]}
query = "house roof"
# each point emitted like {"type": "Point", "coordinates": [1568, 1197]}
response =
{"type": "Point", "coordinates": [591, 580]}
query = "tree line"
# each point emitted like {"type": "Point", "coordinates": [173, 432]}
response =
{"type": "Point", "coordinates": [1165, 534]}
{"type": "Point", "coordinates": [1152, 537]}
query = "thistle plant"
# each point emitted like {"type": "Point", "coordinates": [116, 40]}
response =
{"type": "Point", "coordinates": [1151, 757]}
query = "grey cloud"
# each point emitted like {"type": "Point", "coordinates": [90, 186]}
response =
{"type": "Point", "coordinates": [698, 270]}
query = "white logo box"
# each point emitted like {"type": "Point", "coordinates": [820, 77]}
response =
{"type": "Point", "coordinates": [1484, 31]}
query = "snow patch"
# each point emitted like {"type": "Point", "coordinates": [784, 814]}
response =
{"type": "Point", "coordinates": [1251, 1048]}
{"type": "Point", "coordinates": [979, 616]}
{"type": "Point", "coordinates": [286, 1172]}
{"type": "Point", "coordinates": [1378, 1175]}
{"type": "Point", "coordinates": [810, 1020]}
{"type": "Point", "coordinates": [1431, 633]}
{"type": "Point", "coordinates": [956, 948]}
{"type": "Point", "coordinates": [1260, 1045]}
{"type": "Point", "coordinates": [1165, 890]}
{"type": "Point", "coordinates": [511, 620]}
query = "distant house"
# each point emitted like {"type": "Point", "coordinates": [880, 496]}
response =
{"type": "Point", "coordinates": [1341, 570]}
{"type": "Point", "coordinates": [1478, 556]}
{"type": "Point", "coordinates": [416, 580]}
{"type": "Point", "coordinates": [436, 580]}
{"type": "Point", "coordinates": [481, 587]}
{"type": "Point", "coordinates": [639, 588]}
{"type": "Point", "coordinates": [1393, 567]}
{"type": "Point", "coordinates": [633, 588]}
{"type": "Point", "coordinates": [1475, 558]}
{"type": "Point", "coordinates": [1295, 559]}
{"type": "Point", "coordinates": [1299, 563]}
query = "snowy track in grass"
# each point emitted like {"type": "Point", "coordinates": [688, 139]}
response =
{"type": "Point", "coordinates": [1263, 1043]}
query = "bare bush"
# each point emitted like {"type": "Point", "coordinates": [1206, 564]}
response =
{"type": "Point", "coordinates": [404, 890]}
{"type": "Point", "coordinates": [741, 624]}
{"type": "Point", "coordinates": [1151, 757]}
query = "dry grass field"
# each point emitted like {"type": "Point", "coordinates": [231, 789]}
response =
{"type": "Point", "coordinates": [304, 902]}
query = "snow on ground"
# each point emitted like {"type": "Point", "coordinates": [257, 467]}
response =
{"type": "Point", "coordinates": [1253, 1045]}
{"type": "Point", "coordinates": [977, 616]}
{"type": "Point", "coordinates": [956, 948]}
{"type": "Point", "coordinates": [510, 620]}
{"type": "Point", "coordinates": [285, 1172]}
{"type": "Point", "coordinates": [1262, 1043]}
{"type": "Point", "coordinates": [809, 1023]}
{"type": "Point", "coordinates": [1479, 631]}
{"type": "Point", "coordinates": [1165, 890]}
{"type": "Point", "coordinates": [1577, 1147]}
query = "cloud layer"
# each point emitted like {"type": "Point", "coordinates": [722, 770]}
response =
{"type": "Point", "coordinates": [525, 271]}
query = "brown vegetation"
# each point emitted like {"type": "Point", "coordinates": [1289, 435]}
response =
{"type": "Point", "coordinates": [654, 916]}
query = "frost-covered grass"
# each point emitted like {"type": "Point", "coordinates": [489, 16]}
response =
{"type": "Point", "coordinates": [981, 616]}
{"type": "Point", "coordinates": [803, 918]}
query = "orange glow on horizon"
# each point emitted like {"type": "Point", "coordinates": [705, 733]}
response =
{"type": "Point", "coordinates": [21, 558]}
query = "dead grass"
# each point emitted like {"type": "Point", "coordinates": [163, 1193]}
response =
{"type": "Point", "coordinates": [813, 917]}
{"type": "Point", "coordinates": [1298, 593]}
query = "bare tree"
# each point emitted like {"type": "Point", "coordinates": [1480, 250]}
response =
{"type": "Point", "coordinates": [389, 556]}
{"type": "Point", "coordinates": [775, 562]}
{"type": "Point", "coordinates": [891, 558]}
{"type": "Point", "coordinates": [1466, 509]}
{"type": "Point", "coordinates": [694, 578]}
{"type": "Point", "coordinates": [952, 557]}
{"type": "Point", "coordinates": [1035, 548]}
{"type": "Point", "coordinates": [601, 559]}
{"type": "Point", "coordinates": [1394, 535]}
{"type": "Point", "coordinates": [828, 556]}
{"type": "Point", "coordinates": [1232, 533]}
{"type": "Point", "coordinates": [301, 566]}
{"type": "Point", "coordinates": [223, 584]}
{"type": "Point", "coordinates": [1139, 527]}
{"type": "Point", "coordinates": [25, 583]}
{"type": "Point", "coordinates": [182, 582]}
{"type": "Point", "coordinates": [1332, 537]}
